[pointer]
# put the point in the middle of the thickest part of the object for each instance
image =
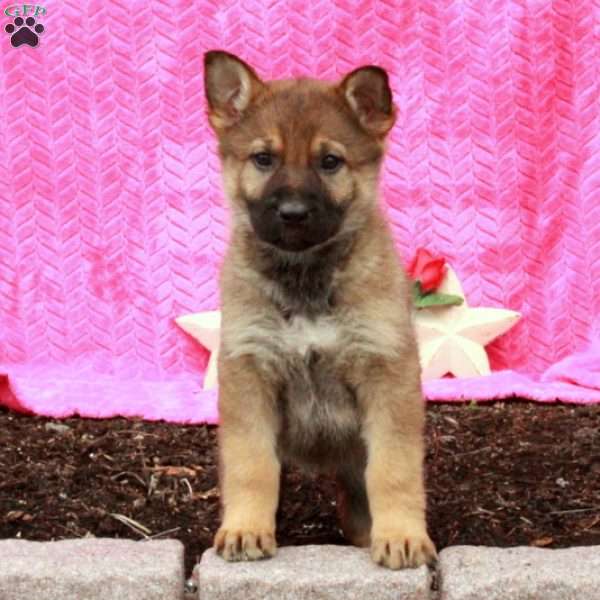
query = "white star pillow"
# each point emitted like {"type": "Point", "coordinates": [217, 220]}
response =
{"type": "Point", "coordinates": [206, 328]}
{"type": "Point", "coordinates": [452, 339]}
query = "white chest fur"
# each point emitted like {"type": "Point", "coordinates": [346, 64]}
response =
{"type": "Point", "coordinates": [270, 339]}
{"type": "Point", "coordinates": [302, 334]}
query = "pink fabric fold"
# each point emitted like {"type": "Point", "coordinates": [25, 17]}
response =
{"type": "Point", "coordinates": [62, 392]}
{"type": "Point", "coordinates": [581, 370]}
{"type": "Point", "coordinates": [503, 385]}
{"type": "Point", "coordinates": [112, 219]}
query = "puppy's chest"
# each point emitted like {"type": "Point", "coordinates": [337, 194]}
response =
{"type": "Point", "coordinates": [318, 408]}
{"type": "Point", "coordinates": [306, 338]}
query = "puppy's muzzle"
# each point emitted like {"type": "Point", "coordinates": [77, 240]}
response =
{"type": "Point", "coordinates": [295, 219]}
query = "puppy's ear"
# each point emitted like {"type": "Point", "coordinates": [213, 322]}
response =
{"type": "Point", "coordinates": [368, 93]}
{"type": "Point", "coordinates": [230, 86]}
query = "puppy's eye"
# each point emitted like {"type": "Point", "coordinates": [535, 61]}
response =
{"type": "Point", "coordinates": [331, 163]}
{"type": "Point", "coordinates": [263, 160]}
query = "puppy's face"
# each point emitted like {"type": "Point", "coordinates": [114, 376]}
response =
{"type": "Point", "coordinates": [300, 157]}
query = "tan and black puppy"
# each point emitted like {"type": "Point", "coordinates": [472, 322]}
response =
{"type": "Point", "coordinates": [318, 363]}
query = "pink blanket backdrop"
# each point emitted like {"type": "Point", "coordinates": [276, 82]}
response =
{"type": "Point", "coordinates": [112, 220]}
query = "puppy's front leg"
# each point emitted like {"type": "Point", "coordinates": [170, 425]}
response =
{"type": "Point", "coordinates": [249, 466]}
{"type": "Point", "coordinates": [394, 417]}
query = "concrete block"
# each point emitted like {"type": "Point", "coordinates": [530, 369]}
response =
{"type": "Point", "coordinates": [309, 573]}
{"type": "Point", "coordinates": [520, 573]}
{"type": "Point", "coordinates": [90, 569]}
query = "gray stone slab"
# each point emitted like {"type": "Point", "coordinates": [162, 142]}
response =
{"type": "Point", "coordinates": [90, 569]}
{"type": "Point", "coordinates": [309, 573]}
{"type": "Point", "coordinates": [520, 573]}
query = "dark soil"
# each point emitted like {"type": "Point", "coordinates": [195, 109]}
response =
{"type": "Point", "coordinates": [499, 474]}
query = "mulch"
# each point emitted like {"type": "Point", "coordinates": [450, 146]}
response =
{"type": "Point", "coordinates": [501, 474]}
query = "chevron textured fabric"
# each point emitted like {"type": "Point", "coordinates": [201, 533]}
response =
{"type": "Point", "coordinates": [112, 221]}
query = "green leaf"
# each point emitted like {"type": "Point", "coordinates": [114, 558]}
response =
{"type": "Point", "coordinates": [438, 300]}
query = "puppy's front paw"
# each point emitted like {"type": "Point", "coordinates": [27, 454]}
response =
{"type": "Point", "coordinates": [402, 549]}
{"type": "Point", "coordinates": [239, 544]}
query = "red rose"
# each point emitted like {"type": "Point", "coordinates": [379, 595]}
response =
{"type": "Point", "coordinates": [427, 270]}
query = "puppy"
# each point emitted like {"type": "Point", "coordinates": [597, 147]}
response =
{"type": "Point", "coordinates": [318, 363]}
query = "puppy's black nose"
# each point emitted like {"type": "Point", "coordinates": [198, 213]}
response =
{"type": "Point", "coordinates": [293, 211]}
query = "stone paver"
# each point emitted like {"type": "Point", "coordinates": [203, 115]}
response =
{"type": "Point", "coordinates": [108, 569]}
{"type": "Point", "coordinates": [309, 573]}
{"type": "Point", "coordinates": [90, 569]}
{"type": "Point", "coordinates": [521, 573]}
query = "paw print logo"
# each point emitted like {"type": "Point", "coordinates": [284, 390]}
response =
{"type": "Point", "coordinates": [24, 32]}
